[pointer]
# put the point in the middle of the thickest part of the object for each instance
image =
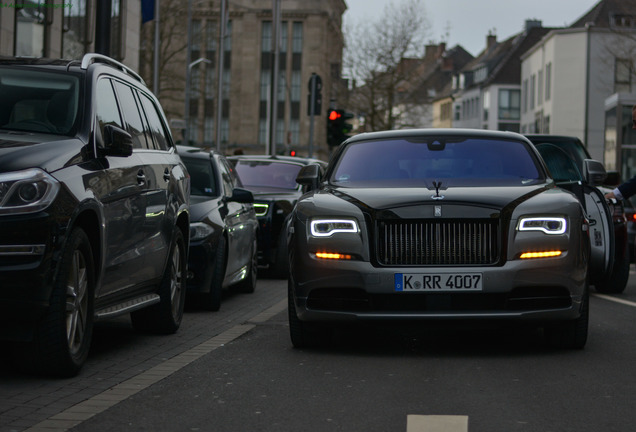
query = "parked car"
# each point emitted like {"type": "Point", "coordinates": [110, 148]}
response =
{"type": "Point", "coordinates": [94, 209]}
{"type": "Point", "coordinates": [555, 150]}
{"type": "Point", "coordinates": [223, 229]}
{"type": "Point", "coordinates": [439, 225]}
{"type": "Point", "coordinates": [272, 180]}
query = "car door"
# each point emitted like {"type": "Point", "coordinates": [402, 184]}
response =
{"type": "Point", "coordinates": [120, 188]}
{"type": "Point", "coordinates": [567, 176]}
{"type": "Point", "coordinates": [239, 222]}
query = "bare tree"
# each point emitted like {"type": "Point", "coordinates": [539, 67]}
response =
{"type": "Point", "coordinates": [172, 55]}
{"type": "Point", "coordinates": [374, 60]}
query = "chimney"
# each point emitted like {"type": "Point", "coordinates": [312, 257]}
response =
{"type": "Point", "coordinates": [441, 49]}
{"type": "Point", "coordinates": [430, 52]}
{"type": "Point", "coordinates": [491, 40]}
{"type": "Point", "coordinates": [532, 23]}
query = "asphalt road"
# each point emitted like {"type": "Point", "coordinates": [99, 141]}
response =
{"type": "Point", "coordinates": [235, 370]}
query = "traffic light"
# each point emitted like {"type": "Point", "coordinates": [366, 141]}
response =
{"type": "Point", "coordinates": [337, 127]}
{"type": "Point", "coordinates": [292, 152]}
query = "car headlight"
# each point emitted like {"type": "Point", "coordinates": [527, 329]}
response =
{"type": "Point", "coordinates": [549, 225]}
{"type": "Point", "coordinates": [27, 191]}
{"type": "Point", "coordinates": [328, 227]}
{"type": "Point", "coordinates": [199, 231]}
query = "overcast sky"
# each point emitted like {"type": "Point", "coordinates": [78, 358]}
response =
{"type": "Point", "coordinates": [467, 22]}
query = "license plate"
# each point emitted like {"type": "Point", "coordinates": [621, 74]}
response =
{"type": "Point", "coordinates": [438, 282]}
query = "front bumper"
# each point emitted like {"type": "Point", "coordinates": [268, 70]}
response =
{"type": "Point", "coordinates": [29, 252]}
{"type": "Point", "coordinates": [549, 289]}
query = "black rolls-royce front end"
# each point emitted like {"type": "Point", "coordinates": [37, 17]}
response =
{"type": "Point", "coordinates": [438, 225]}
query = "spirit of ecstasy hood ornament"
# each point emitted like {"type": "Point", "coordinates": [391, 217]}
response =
{"type": "Point", "coordinates": [437, 196]}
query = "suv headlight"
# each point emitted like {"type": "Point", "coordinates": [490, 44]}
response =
{"type": "Point", "coordinates": [549, 225]}
{"type": "Point", "coordinates": [328, 227]}
{"type": "Point", "coordinates": [199, 231]}
{"type": "Point", "coordinates": [27, 191]}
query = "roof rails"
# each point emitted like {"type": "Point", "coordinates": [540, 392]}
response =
{"type": "Point", "coordinates": [91, 58]}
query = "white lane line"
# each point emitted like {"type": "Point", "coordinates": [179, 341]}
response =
{"type": "Point", "coordinates": [616, 300]}
{"type": "Point", "coordinates": [436, 423]}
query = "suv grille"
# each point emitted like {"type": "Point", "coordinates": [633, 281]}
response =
{"type": "Point", "coordinates": [431, 242]}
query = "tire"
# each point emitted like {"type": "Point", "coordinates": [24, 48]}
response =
{"type": "Point", "coordinates": [570, 334]}
{"type": "Point", "coordinates": [212, 300]}
{"type": "Point", "coordinates": [302, 334]}
{"type": "Point", "coordinates": [617, 282]}
{"type": "Point", "coordinates": [62, 338]}
{"type": "Point", "coordinates": [280, 269]}
{"type": "Point", "coordinates": [165, 317]}
{"type": "Point", "coordinates": [248, 285]}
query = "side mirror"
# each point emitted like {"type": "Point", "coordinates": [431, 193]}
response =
{"type": "Point", "coordinates": [309, 175]}
{"type": "Point", "coordinates": [117, 142]}
{"type": "Point", "coordinates": [595, 173]}
{"type": "Point", "coordinates": [613, 179]}
{"type": "Point", "coordinates": [242, 196]}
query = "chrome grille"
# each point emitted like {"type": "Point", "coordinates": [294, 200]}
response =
{"type": "Point", "coordinates": [431, 242]}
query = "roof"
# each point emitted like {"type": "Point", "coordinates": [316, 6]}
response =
{"type": "Point", "coordinates": [291, 159]}
{"type": "Point", "coordinates": [503, 59]}
{"type": "Point", "coordinates": [604, 13]}
{"type": "Point", "coordinates": [437, 133]}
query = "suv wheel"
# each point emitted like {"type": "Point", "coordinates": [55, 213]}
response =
{"type": "Point", "coordinates": [165, 317]}
{"type": "Point", "coordinates": [62, 338]}
{"type": "Point", "coordinates": [617, 282]}
{"type": "Point", "coordinates": [248, 285]}
{"type": "Point", "coordinates": [571, 334]}
{"type": "Point", "coordinates": [212, 299]}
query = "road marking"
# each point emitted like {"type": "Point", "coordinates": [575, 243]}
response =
{"type": "Point", "coordinates": [436, 423]}
{"type": "Point", "coordinates": [111, 397]}
{"type": "Point", "coordinates": [615, 299]}
{"type": "Point", "coordinates": [269, 313]}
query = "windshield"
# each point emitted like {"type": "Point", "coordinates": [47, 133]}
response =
{"type": "Point", "coordinates": [38, 101]}
{"type": "Point", "coordinates": [202, 178]}
{"type": "Point", "coordinates": [456, 162]}
{"type": "Point", "coordinates": [279, 175]}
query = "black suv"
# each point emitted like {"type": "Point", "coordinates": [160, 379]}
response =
{"type": "Point", "coordinates": [94, 208]}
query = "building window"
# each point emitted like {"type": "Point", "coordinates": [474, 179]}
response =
{"type": "Point", "coordinates": [32, 21]}
{"type": "Point", "coordinates": [623, 76]}
{"type": "Point", "coordinates": [509, 105]}
{"type": "Point", "coordinates": [548, 81]}
{"type": "Point", "coordinates": [75, 31]}
{"type": "Point", "coordinates": [532, 92]}
{"type": "Point", "coordinates": [118, 29]}
{"type": "Point", "coordinates": [540, 88]}
{"type": "Point", "coordinates": [486, 106]}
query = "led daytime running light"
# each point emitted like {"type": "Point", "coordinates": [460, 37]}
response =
{"type": "Point", "coordinates": [546, 254]}
{"type": "Point", "coordinates": [332, 256]}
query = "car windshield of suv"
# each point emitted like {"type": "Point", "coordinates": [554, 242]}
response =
{"type": "Point", "coordinates": [202, 178]}
{"type": "Point", "coordinates": [38, 101]}
{"type": "Point", "coordinates": [420, 161]}
{"type": "Point", "coordinates": [279, 175]}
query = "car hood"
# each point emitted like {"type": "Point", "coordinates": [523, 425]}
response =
{"type": "Point", "coordinates": [19, 151]}
{"type": "Point", "coordinates": [378, 199]}
{"type": "Point", "coordinates": [201, 206]}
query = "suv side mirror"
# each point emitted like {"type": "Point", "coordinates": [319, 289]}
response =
{"type": "Point", "coordinates": [595, 173]}
{"type": "Point", "coordinates": [309, 175]}
{"type": "Point", "coordinates": [613, 179]}
{"type": "Point", "coordinates": [117, 142]}
{"type": "Point", "coordinates": [242, 196]}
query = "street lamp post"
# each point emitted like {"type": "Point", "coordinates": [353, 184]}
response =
{"type": "Point", "coordinates": [186, 135]}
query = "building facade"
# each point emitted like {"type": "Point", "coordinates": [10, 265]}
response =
{"type": "Point", "coordinates": [67, 29]}
{"type": "Point", "coordinates": [311, 42]}
{"type": "Point", "coordinates": [568, 75]}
